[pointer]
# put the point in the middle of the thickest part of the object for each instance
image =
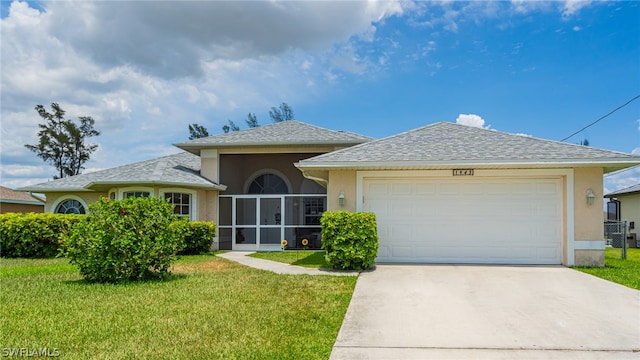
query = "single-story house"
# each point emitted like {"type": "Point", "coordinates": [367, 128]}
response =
{"type": "Point", "coordinates": [441, 193]}
{"type": "Point", "coordinates": [624, 205]}
{"type": "Point", "coordinates": [19, 202]}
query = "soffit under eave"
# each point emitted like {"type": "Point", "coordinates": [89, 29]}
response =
{"type": "Point", "coordinates": [104, 187]}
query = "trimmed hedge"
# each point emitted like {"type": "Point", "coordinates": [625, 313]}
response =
{"type": "Point", "coordinates": [350, 239]}
{"type": "Point", "coordinates": [198, 237]}
{"type": "Point", "coordinates": [38, 235]}
{"type": "Point", "coordinates": [33, 235]}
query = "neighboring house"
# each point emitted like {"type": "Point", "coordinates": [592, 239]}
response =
{"type": "Point", "coordinates": [624, 205]}
{"type": "Point", "coordinates": [19, 202]}
{"type": "Point", "coordinates": [441, 193]}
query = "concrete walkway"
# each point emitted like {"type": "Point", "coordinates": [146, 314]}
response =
{"type": "Point", "coordinates": [278, 267]}
{"type": "Point", "coordinates": [488, 312]}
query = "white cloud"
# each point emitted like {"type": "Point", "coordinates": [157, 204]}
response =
{"type": "Point", "coordinates": [636, 151]}
{"type": "Point", "coordinates": [144, 70]}
{"type": "Point", "coordinates": [471, 120]}
{"type": "Point", "coordinates": [570, 7]}
{"type": "Point", "coordinates": [306, 65]}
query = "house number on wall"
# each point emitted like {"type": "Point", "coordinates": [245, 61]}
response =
{"type": "Point", "coordinates": [462, 172]}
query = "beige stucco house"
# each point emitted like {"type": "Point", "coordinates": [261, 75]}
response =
{"type": "Point", "coordinates": [624, 205]}
{"type": "Point", "coordinates": [443, 193]}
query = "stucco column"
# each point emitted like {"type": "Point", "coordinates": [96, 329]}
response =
{"type": "Point", "coordinates": [210, 164]}
{"type": "Point", "coordinates": [589, 218]}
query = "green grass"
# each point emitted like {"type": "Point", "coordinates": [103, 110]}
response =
{"type": "Point", "coordinates": [310, 259]}
{"type": "Point", "coordinates": [625, 272]}
{"type": "Point", "coordinates": [209, 308]}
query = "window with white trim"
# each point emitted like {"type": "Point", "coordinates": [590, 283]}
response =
{"type": "Point", "coordinates": [128, 194]}
{"type": "Point", "coordinates": [70, 206]}
{"type": "Point", "coordinates": [181, 202]}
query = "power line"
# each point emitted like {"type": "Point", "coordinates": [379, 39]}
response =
{"type": "Point", "coordinates": [602, 117]}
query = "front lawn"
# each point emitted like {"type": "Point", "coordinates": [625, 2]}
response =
{"type": "Point", "coordinates": [208, 308]}
{"type": "Point", "coordinates": [310, 259]}
{"type": "Point", "coordinates": [625, 272]}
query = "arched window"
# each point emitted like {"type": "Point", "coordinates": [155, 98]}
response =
{"type": "Point", "coordinates": [70, 206]}
{"type": "Point", "coordinates": [268, 184]}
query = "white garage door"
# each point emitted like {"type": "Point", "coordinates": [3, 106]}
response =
{"type": "Point", "coordinates": [495, 221]}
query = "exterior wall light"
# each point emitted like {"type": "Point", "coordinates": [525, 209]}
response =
{"type": "Point", "coordinates": [591, 197]}
{"type": "Point", "coordinates": [341, 198]}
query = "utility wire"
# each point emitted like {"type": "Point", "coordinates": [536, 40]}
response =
{"type": "Point", "coordinates": [602, 117]}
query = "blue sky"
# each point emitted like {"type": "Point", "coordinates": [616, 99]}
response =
{"type": "Point", "coordinates": [145, 70]}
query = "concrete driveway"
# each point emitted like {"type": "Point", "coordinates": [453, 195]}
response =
{"type": "Point", "coordinates": [488, 312]}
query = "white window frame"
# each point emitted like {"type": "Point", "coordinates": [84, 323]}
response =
{"type": "Point", "coordinates": [193, 208]}
{"type": "Point", "coordinates": [256, 174]}
{"type": "Point", "coordinates": [61, 199]}
{"type": "Point", "coordinates": [122, 191]}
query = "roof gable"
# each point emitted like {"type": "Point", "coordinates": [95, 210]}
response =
{"type": "Point", "coordinates": [284, 133]}
{"type": "Point", "coordinates": [181, 169]}
{"type": "Point", "coordinates": [445, 143]}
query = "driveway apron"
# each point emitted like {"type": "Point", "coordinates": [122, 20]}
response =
{"type": "Point", "coordinates": [497, 312]}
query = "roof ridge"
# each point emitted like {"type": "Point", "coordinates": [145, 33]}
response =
{"type": "Point", "coordinates": [537, 138]}
{"type": "Point", "coordinates": [355, 147]}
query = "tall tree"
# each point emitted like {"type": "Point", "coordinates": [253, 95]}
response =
{"type": "Point", "coordinates": [197, 131]}
{"type": "Point", "coordinates": [252, 121]}
{"type": "Point", "coordinates": [62, 143]}
{"type": "Point", "coordinates": [281, 113]}
{"type": "Point", "coordinates": [231, 127]}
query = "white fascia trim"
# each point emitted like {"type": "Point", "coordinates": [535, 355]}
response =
{"type": "Point", "coordinates": [439, 164]}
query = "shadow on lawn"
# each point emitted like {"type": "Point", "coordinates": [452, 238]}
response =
{"type": "Point", "coordinates": [316, 259]}
{"type": "Point", "coordinates": [149, 280]}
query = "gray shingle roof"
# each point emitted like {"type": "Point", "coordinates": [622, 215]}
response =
{"type": "Point", "coordinates": [285, 133]}
{"type": "Point", "coordinates": [181, 169]}
{"type": "Point", "coordinates": [446, 143]}
{"type": "Point", "coordinates": [626, 191]}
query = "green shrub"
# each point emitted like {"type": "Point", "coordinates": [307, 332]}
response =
{"type": "Point", "coordinates": [198, 236]}
{"type": "Point", "coordinates": [350, 239]}
{"type": "Point", "coordinates": [130, 239]}
{"type": "Point", "coordinates": [33, 235]}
